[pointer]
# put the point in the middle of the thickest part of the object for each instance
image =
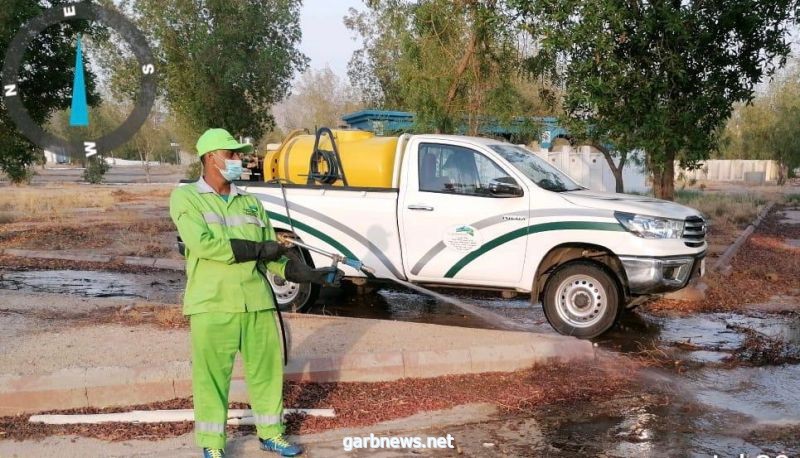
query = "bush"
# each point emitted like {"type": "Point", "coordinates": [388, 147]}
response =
{"type": "Point", "coordinates": [17, 168]}
{"type": "Point", "coordinates": [194, 170]}
{"type": "Point", "coordinates": [96, 168]}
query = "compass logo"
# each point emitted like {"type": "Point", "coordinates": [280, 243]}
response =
{"type": "Point", "coordinates": [79, 112]}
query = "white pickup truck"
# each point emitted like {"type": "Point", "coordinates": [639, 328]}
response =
{"type": "Point", "coordinates": [476, 213]}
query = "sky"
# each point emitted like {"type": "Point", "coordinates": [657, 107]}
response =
{"type": "Point", "coordinates": [326, 41]}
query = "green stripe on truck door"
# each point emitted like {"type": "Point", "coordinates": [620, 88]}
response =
{"type": "Point", "coordinates": [557, 226]}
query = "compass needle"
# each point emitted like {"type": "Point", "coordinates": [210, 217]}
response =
{"type": "Point", "coordinates": [79, 113]}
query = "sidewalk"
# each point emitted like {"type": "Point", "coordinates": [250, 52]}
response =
{"type": "Point", "coordinates": [56, 365]}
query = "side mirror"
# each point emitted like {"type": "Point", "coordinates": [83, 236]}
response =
{"type": "Point", "coordinates": [505, 187]}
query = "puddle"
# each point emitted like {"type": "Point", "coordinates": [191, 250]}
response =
{"type": "Point", "coordinates": [89, 283]}
{"type": "Point", "coordinates": [783, 327]}
{"type": "Point", "coordinates": [703, 338]}
{"type": "Point", "coordinates": [765, 394]}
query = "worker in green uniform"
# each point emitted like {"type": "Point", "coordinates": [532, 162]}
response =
{"type": "Point", "coordinates": [229, 241]}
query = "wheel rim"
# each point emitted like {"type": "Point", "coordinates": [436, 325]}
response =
{"type": "Point", "coordinates": [581, 301]}
{"type": "Point", "coordinates": [285, 291]}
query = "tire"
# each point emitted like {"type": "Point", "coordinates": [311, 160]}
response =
{"type": "Point", "coordinates": [294, 297]}
{"type": "Point", "coordinates": [581, 299]}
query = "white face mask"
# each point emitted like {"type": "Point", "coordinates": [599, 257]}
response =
{"type": "Point", "coordinates": [233, 169]}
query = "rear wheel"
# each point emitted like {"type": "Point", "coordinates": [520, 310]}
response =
{"type": "Point", "coordinates": [581, 299]}
{"type": "Point", "coordinates": [294, 297]}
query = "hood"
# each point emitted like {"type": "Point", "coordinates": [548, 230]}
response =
{"type": "Point", "coordinates": [629, 203]}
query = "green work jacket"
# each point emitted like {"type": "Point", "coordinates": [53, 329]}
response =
{"type": "Point", "coordinates": [206, 223]}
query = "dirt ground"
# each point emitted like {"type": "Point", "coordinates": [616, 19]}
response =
{"type": "Point", "coordinates": [117, 220]}
{"type": "Point", "coordinates": [677, 378]}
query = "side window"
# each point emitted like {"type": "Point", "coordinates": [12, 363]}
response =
{"type": "Point", "coordinates": [456, 170]}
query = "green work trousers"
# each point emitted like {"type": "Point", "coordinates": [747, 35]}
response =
{"type": "Point", "coordinates": [216, 337]}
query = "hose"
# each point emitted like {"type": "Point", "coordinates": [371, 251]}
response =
{"type": "Point", "coordinates": [332, 174]}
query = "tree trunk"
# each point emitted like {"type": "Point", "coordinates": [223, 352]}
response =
{"type": "Point", "coordinates": [664, 178]}
{"type": "Point", "coordinates": [620, 188]}
{"type": "Point", "coordinates": [616, 170]}
{"type": "Point", "coordinates": [783, 173]}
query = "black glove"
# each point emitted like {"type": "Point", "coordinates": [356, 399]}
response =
{"type": "Point", "coordinates": [298, 272]}
{"type": "Point", "coordinates": [248, 250]}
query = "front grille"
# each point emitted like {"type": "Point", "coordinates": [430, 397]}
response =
{"type": "Point", "coordinates": [694, 231]}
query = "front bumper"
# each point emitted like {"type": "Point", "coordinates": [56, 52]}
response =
{"type": "Point", "coordinates": [650, 275]}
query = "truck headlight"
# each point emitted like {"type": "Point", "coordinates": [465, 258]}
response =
{"type": "Point", "coordinates": [650, 227]}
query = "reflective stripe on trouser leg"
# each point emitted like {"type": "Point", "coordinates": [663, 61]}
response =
{"type": "Point", "coordinates": [263, 366]}
{"type": "Point", "coordinates": [206, 427]}
{"type": "Point", "coordinates": [215, 340]}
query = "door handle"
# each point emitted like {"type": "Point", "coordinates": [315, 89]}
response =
{"type": "Point", "coordinates": [426, 208]}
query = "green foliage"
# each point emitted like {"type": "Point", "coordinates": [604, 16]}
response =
{"type": "Point", "coordinates": [373, 68]}
{"type": "Point", "coordinates": [96, 168]}
{"type": "Point", "coordinates": [454, 64]}
{"type": "Point", "coordinates": [222, 63]}
{"type": "Point", "coordinates": [43, 88]}
{"type": "Point", "coordinates": [194, 170]}
{"type": "Point", "coordinates": [18, 167]}
{"type": "Point", "coordinates": [657, 76]}
{"type": "Point", "coordinates": [769, 128]}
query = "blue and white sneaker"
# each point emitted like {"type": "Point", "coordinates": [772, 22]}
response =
{"type": "Point", "coordinates": [213, 453]}
{"type": "Point", "coordinates": [279, 444]}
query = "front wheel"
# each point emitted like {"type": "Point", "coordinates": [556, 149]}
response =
{"type": "Point", "coordinates": [294, 297]}
{"type": "Point", "coordinates": [581, 299]}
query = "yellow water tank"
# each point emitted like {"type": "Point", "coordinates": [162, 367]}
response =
{"type": "Point", "coordinates": [367, 160]}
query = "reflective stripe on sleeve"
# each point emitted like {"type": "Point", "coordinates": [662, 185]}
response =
{"type": "Point", "coordinates": [233, 220]}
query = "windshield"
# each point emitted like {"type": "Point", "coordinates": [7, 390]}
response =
{"type": "Point", "coordinates": [536, 169]}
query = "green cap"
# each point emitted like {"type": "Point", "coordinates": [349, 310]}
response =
{"type": "Point", "coordinates": [214, 139]}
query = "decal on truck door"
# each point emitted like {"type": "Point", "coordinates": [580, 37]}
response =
{"type": "Point", "coordinates": [436, 249]}
{"type": "Point", "coordinates": [462, 238]}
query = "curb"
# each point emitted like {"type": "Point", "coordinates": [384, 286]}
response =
{"type": "Point", "coordinates": [119, 386]}
{"type": "Point", "coordinates": [37, 254]}
{"type": "Point", "coordinates": [156, 263]}
{"type": "Point", "coordinates": [723, 262]}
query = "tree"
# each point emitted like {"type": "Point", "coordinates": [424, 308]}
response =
{"type": "Point", "coordinates": [373, 68]}
{"type": "Point", "coordinates": [223, 62]}
{"type": "Point", "coordinates": [769, 128]}
{"type": "Point", "coordinates": [660, 76]}
{"type": "Point", "coordinates": [455, 64]}
{"type": "Point", "coordinates": [45, 82]}
{"type": "Point", "coordinates": [319, 98]}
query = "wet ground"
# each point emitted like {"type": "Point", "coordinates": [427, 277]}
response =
{"type": "Point", "coordinates": [714, 387]}
{"type": "Point", "coordinates": [163, 287]}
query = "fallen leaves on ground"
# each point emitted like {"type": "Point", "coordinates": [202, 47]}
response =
{"type": "Point", "coordinates": [360, 404]}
